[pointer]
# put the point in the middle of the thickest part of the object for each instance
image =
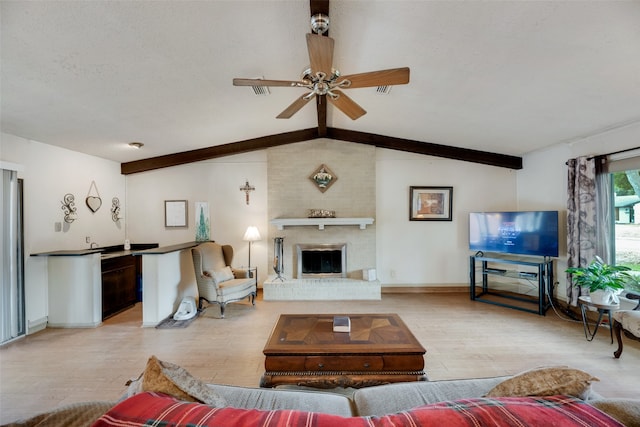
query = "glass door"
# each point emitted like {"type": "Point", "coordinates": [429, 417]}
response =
{"type": "Point", "coordinates": [12, 305]}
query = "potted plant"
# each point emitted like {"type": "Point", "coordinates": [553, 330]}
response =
{"type": "Point", "coordinates": [600, 276]}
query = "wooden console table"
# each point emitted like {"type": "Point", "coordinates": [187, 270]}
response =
{"type": "Point", "coordinates": [303, 350]}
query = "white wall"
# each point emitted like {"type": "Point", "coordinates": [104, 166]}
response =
{"type": "Point", "coordinates": [542, 183]}
{"type": "Point", "coordinates": [408, 253]}
{"type": "Point", "coordinates": [352, 195]}
{"type": "Point", "coordinates": [49, 173]}
{"type": "Point", "coordinates": [423, 253]}
{"type": "Point", "coordinates": [217, 182]}
{"type": "Point", "coordinates": [416, 253]}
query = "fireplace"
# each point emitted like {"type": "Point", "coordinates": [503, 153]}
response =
{"type": "Point", "coordinates": [322, 260]}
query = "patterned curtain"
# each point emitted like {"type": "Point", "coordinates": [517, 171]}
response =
{"type": "Point", "coordinates": [582, 225]}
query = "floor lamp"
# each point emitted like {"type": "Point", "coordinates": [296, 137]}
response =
{"type": "Point", "coordinates": [251, 235]}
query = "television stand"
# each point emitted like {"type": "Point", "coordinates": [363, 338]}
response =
{"type": "Point", "coordinates": [485, 285]}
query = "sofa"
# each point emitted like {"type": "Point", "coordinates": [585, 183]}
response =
{"type": "Point", "coordinates": [167, 395]}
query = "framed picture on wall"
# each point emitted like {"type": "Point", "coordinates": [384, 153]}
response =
{"type": "Point", "coordinates": [203, 225]}
{"type": "Point", "coordinates": [430, 203]}
{"type": "Point", "coordinates": [175, 213]}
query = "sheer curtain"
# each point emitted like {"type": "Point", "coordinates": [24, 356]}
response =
{"type": "Point", "coordinates": [606, 221]}
{"type": "Point", "coordinates": [589, 221]}
{"type": "Point", "coordinates": [12, 313]}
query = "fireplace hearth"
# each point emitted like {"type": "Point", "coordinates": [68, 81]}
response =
{"type": "Point", "coordinates": [321, 260]}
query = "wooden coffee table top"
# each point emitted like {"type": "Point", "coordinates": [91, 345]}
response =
{"type": "Point", "coordinates": [312, 334]}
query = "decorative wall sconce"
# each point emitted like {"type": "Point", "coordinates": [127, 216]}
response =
{"type": "Point", "coordinates": [69, 208]}
{"type": "Point", "coordinates": [115, 209]}
{"type": "Point", "coordinates": [247, 188]}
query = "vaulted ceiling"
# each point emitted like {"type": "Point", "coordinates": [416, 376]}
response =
{"type": "Point", "coordinates": [505, 77]}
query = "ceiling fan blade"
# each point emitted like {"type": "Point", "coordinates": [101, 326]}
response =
{"type": "Point", "coordinates": [394, 76]}
{"type": "Point", "coordinates": [320, 53]}
{"type": "Point", "coordinates": [263, 82]}
{"type": "Point", "coordinates": [295, 107]}
{"type": "Point", "coordinates": [347, 105]}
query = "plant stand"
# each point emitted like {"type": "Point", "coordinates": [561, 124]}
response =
{"type": "Point", "coordinates": [602, 309]}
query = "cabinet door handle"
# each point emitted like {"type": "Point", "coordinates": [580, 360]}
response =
{"type": "Point", "coordinates": [320, 365]}
{"type": "Point", "coordinates": [366, 365]}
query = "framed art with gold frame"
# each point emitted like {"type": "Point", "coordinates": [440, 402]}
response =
{"type": "Point", "coordinates": [430, 203]}
{"type": "Point", "coordinates": [323, 178]}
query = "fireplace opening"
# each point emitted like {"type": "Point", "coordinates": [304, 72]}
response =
{"type": "Point", "coordinates": [322, 260]}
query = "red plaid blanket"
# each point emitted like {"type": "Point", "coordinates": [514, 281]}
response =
{"type": "Point", "coordinates": [561, 411]}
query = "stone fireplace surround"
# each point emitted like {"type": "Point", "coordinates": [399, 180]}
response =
{"type": "Point", "coordinates": [291, 194]}
{"type": "Point", "coordinates": [348, 285]}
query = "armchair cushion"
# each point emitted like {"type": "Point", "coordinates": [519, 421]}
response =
{"type": "Point", "coordinates": [211, 258]}
{"type": "Point", "coordinates": [223, 275]}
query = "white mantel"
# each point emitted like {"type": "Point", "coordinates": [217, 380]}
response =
{"type": "Point", "coordinates": [280, 223]}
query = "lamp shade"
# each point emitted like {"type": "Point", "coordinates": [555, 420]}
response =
{"type": "Point", "coordinates": [252, 234]}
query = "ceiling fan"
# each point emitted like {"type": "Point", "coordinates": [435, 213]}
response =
{"type": "Point", "coordinates": [322, 80]}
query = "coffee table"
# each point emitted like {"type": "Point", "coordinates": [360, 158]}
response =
{"type": "Point", "coordinates": [303, 350]}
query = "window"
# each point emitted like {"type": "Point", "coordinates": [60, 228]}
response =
{"type": "Point", "coordinates": [626, 215]}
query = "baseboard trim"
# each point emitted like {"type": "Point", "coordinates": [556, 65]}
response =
{"type": "Point", "coordinates": [424, 289]}
{"type": "Point", "coordinates": [37, 325]}
{"type": "Point", "coordinates": [73, 325]}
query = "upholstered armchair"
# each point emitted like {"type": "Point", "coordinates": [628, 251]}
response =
{"type": "Point", "coordinates": [218, 283]}
{"type": "Point", "coordinates": [627, 321]}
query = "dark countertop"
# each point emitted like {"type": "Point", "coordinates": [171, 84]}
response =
{"type": "Point", "coordinates": [118, 250]}
{"type": "Point", "coordinates": [107, 251]}
{"type": "Point", "coordinates": [70, 252]}
{"type": "Point", "coordinates": [167, 249]}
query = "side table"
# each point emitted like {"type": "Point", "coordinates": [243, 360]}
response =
{"type": "Point", "coordinates": [602, 309]}
{"type": "Point", "coordinates": [251, 272]}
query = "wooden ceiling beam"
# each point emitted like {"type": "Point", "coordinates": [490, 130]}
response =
{"type": "Point", "coordinates": [218, 151]}
{"type": "Point", "coordinates": [321, 106]}
{"type": "Point", "coordinates": [426, 148]}
{"type": "Point", "coordinates": [380, 141]}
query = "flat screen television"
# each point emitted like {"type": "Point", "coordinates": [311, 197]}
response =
{"type": "Point", "coordinates": [532, 233]}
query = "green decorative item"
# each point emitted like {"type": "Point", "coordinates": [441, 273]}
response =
{"type": "Point", "coordinates": [600, 276]}
{"type": "Point", "coordinates": [203, 229]}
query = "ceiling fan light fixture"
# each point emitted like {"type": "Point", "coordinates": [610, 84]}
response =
{"type": "Point", "coordinates": [323, 81]}
{"type": "Point", "coordinates": [319, 23]}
